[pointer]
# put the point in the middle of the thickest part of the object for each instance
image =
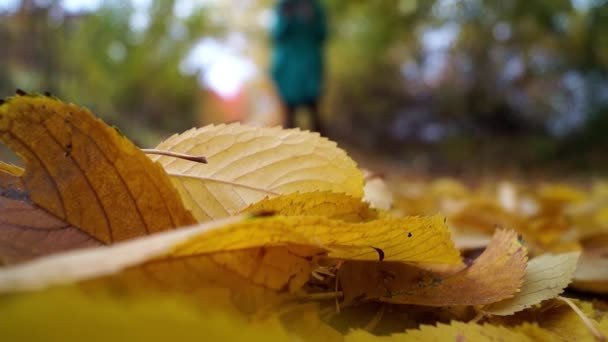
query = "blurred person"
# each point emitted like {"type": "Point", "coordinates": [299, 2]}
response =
{"type": "Point", "coordinates": [298, 39]}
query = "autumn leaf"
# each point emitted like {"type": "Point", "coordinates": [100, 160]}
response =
{"type": "Point", "coordinates": [496, 275]}
{"type": "Point", "coordinates": [409, 239]}
{"type": "Point", "coordinates": [592, 274]}
{"type": "Point", "coordinates": [27, 232]}
{"type": "Point", "coordinates": [377, 193]}
{"type": "Point", "coordinates": [247, 164]}
{"type": "Point", "coordinates": [460, 331]}
{"type": "Point", "coordinates": [70, 314]}
{"type": "Point", "coordinates": [556, 317]}
{"type": "Point", "coordinates": [256, 259]}
{"type": "Point", "coordinates": [83, 173]}
{"type": "Point", "coordinates": [73, 266]}
{"type": "Point", "coordinates": [546, 277]}
{"type": "Point", "coordinates": [319, 203]}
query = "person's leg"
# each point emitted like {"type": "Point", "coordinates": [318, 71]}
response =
{"type": "Point", "coordinates": [290, 115]}
{"type": "Point", "coordinates": [315, 117]}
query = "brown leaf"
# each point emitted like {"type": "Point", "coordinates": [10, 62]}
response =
{"type": "Point", "coordinates": [27, 232]}
{"type": "Point", "coordinates": [497, 274]}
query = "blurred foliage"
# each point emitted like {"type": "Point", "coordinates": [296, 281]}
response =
{"type": "Point", "coordinates": [400, 72]}
{"type": "Point", "coordinates": [428, 70]}
{"type": "Point", "coordinates": [128, 75]}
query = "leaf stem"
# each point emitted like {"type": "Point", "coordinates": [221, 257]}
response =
{"type": "Point", "coordinates": [323, 295]}
{"type": "Point", "coordinates": [373, 323]}
{"type": "Point", "coordinates": [198, 159]}
{"type": "Point", "coordinates": [588, 323]}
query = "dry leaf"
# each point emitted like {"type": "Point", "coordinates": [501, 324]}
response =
{"type": "Point", "coordinates": [256, 259]}
{"type": "Point", "coordinates": [591, 274]}
{"type": "Point", "coordinates": [74, 266]}
{"type": "Point", "coordinates": [247, 164]}
{"type": "Point", "coordinates": [27, 232]}
{"type": "Point", "coordinates": [496, 275]}
{"type": "Point", "coordinates": [85, 173]}
{"type": "Point", "coordinates": [546, 277]}
{"type": "Point", "coordinates": [319, 203]}
{"type": "Point", "coordinates": [377, 193]}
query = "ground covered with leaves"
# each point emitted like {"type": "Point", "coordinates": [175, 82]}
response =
{"type": "Point", "coordinates": [277, 234]}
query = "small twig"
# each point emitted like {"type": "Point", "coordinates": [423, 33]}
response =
{"type": "Point", "coordinates": [479, 317]}
{"type": "Point", "coordinates": [588, 323]}
{"type": "Point", "coordinates": [322, 296]}
{"type": "Point", "coordinates": [198, 159]}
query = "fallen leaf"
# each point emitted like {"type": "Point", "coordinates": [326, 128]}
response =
{"type": "Point", "coordinates": [554, 316]}
{"type": "Point", "coordinates": [73, 266]}
{"type": "Point", "coordinates": [409, 239]}
{"type": "Point", "coordinates": [496, 275]}
{"type": "Point", "coordinates": [247, 164]}
{"type": "Point", "coordinates": [319, 203]}
{"type": "Point", "coordinates": [546, 277]}
{"type": "Point", "coordinates": [84, 173]}
{"type": "Point", "coordinates": [377, 193]}
{"type": "Point", "coordinates": [70, 314]}
{"type": "Point", "coordinates": [591, 274]}
{"type": "Point", "coordinates": [460, 331]}
{"type": "Point", "coordinates": [28, 232]}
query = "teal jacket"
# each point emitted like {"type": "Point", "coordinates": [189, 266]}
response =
{"type": "Point", "coordinates": [298, 38]}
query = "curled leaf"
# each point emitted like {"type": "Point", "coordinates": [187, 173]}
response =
{"type": "Point", "coordinates": [546, 277]}
{"type": "Point", "coordinates": [496, 275]}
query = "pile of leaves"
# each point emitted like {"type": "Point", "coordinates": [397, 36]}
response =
{"type": "Point", "coordinates": [278, 235]}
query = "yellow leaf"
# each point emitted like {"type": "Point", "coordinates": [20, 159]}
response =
{"type": "Point", "coordinates": [459, 331]}
{"type": "Point", "coordinates": [496, 275]}
{"type": "Point", "coordinates": [410, 239]}
{"type": "Point", "coordinates": [257, 259]}
{"type": "Point", "coordinates": [319, 203]}
{"type": "Point", "coordinates": [555, 317]}
{"type": "Point", "coordinates": [247, 164]}
{"type": "Point", "coordinates": [83, 172]}
{"type": "Point", "coordinates": [561, 193]}
{"type": "Point", "coordinates": [78, 265]}
{"type": "Point", "coordinates": [69, 314]}
{"type": "Point", "coordinates": [546, 277]}
{"type": "Point", "coordinates": [243, 281]}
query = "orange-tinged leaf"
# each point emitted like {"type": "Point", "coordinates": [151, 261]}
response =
{"type": "Point", "coordinates": [85, 173]}
{"type": "Point", "coordinates": [496, 275]}
{"type": "Point", "coordinates": [546, 277]}
{"type": "Point", "coordinates": [247, 164]}
{"type": "Point", "coordinates": [319, 203]}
